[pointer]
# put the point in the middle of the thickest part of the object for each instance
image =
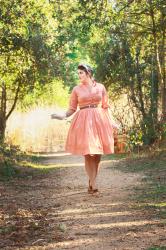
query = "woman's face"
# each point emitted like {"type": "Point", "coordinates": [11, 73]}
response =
{"type": "Point", "coordinates": [83, 76]}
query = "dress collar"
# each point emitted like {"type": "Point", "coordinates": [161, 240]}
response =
{"type": "Point", "coordinates": [84, 84]}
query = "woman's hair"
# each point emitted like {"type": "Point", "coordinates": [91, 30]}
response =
{"type": "Point", "coordinates": [86, 68]}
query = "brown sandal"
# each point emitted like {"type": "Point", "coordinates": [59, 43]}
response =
{"type": "Point", "coordinates": [95, 190]}
{"type": "Point", "coordinates": [91, 190]}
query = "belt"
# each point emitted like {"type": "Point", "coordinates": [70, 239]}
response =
{"type": "Point", "coordinates": [89, 106]}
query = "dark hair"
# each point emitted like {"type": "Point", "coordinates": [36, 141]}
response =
{"type": "Point", "coordinates": [86, 68]}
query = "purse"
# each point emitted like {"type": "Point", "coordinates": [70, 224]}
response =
{"type": "Point", "coordinates": [120, 144]}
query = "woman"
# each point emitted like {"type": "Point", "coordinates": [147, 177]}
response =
{"type": "Point", "coordinates": [92, 128]}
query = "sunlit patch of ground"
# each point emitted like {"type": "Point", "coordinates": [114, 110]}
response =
{"type": "Point", "coordinates": [53, 210]}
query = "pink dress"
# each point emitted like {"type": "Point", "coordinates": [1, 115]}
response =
{"type": "Point", "coordinates": [91, 130]}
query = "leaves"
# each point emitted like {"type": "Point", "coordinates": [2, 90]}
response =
{"type": "Point", "coordinates": [124, 40]}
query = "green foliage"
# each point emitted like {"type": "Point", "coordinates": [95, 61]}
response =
{"type": "Point", "coordinates": [9, 155]}
{"type": "Point", "coordinates": [42, 43]}
{"type": "Point", "coordinates": [130, 47]}
{"type": "Point", "coordinates": [53, 93]}
{"type": "Point", "coordinates": [162, 130]}
{"type": "Point", "coordinates": [157, 248]}
{"type": "Point", "coordinates": [26, 38]}
{"type": "Point", "coordinates": [30, 55]}
{"type": "Point", "coordinates": [135, 137]}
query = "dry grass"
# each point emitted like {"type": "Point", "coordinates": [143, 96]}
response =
{"type": "Point", "coordinates": [35, 131]}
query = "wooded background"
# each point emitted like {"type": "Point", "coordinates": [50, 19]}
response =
{"type": "Point", "coordinates": [42, 42]}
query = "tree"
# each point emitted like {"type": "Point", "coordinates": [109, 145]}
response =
{"type": "Point", "coordinates": [132, 59]}
{"type": "Point", "coordinates": [26, 39]}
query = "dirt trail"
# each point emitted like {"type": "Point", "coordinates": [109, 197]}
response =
{"type": "Point", "coordinates": [77, 220]}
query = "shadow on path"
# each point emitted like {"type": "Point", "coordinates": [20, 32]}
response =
{"type": "Point", "coordinates": [54, 210]}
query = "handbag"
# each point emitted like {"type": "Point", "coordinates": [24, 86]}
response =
{"type": "Point", "coordinates": [120, 144]}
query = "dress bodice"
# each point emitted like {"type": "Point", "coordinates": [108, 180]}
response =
{"type": "Point", "coordinates": [82, 95]}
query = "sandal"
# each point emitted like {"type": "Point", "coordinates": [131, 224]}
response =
{"type": "Point", "coordinates": [95, 190]}
{"type": "Point", "coordinates": [91, 190]}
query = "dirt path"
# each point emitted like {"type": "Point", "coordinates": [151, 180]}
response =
{"type": "Point", "coordinates": [65, 216]}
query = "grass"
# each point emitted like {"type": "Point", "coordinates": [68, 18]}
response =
{"type": "Point", "coordinates": [157, 248]}
{"type": "Point", "coordinates": [115, 156]}
{"type": "Point", "coordinates": [151, 194]}
{"type": "Point", "coordinates": [21, 165]}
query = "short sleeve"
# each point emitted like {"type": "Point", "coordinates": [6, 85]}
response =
{"type": "Point", "coordinates": [105, 99]}
{"type": "Point", "coordinates": [73, 100]}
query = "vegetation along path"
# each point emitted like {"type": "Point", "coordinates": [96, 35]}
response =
{"type": "Point", "coordinates": [48, 208]}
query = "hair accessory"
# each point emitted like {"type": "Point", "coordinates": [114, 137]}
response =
{"type": "Point", "coordinates": [87, 67]}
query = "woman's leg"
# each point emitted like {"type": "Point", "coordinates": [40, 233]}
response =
{"type": "Point", "coordinates": [97, 163]}
{"type": "Point", "coordinates": [90, 166]}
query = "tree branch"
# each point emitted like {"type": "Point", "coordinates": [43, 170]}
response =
{"type": "Point", "coordinates": [15, 99]}
{"type": "Point", "coordinates": [126, 6]}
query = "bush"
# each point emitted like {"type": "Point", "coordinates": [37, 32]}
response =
{"type": "Point", "coordinates": [135, 137]}
{"type": "Point", "coordinates": [9, 155]}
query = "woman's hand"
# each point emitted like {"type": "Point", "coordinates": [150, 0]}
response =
{"type": "Point", "coordinates": [116, 127]}
{"type": "Point", "coordinates": [63, 115]}
{"type": "Point", "coordinates": [58, 116]}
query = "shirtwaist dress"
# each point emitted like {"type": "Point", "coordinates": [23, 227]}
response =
{"type": "Point", "coordinates": [91, 130]}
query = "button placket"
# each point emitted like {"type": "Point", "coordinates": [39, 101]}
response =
{"type": "Point", "coordinates": [90, 93]}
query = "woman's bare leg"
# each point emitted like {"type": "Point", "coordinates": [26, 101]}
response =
{"type": "Point", "coordinates": [90, 166]}
{"type": "Point", "coordinates": [97, 163]}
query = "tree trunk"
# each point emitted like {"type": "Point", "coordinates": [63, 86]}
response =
{"type": "Point", "coordinates": [159, 48]}
{"type": "Point", "coordinates": [160, 57]}
{"type": "Point", "coordinates": [2, 127]}
{"type": "Point", "coordinates": [163, 90]}
{"type": "Point", "coordinates": [3, 112]}
{"type": "Point", "coordinates": [3, 102]}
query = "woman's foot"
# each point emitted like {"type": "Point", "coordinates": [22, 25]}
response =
{"type": "Point", "coordinates": [92, 190]}
{"type": "Point", "coordinates": [89, 188]}
{"type": "Point", "coordinates": [95, 190]}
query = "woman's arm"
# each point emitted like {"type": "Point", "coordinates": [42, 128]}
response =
{"type": "Point", "coordinates": [63, 115]}
{"type": "Point", "coordinates": [69, 112]}
{"type": "Point", "coordinates": [72, 107]}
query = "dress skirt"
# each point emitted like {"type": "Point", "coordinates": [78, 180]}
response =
{"type": "Point", "coordinates": [91, 132]}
